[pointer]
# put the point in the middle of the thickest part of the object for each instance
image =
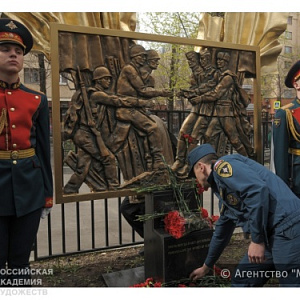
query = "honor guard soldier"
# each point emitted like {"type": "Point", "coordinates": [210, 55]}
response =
{"type": "Point", "coordinates": [25, 170]}
{"type": "Point", "coordinates": [254, 198]}
{"type": "Point", "coordinates": [286, 135]}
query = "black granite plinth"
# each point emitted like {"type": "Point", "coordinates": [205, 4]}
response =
{"type": "Point", "coordinates": [166, 258]}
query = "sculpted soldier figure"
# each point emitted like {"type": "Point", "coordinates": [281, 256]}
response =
{"type": "Point", "coordinates": [286, 135]}
{"type": "Point", "coordinates": [130, 83]}
{"type": "Point", "coordinates": [204, 78]}
{"type": "Point", "coordinates": [91, 147]}
{"type": "Point", "coordinates": [225, 110]}
{"type": "Point", "coordinates": [152, 63]}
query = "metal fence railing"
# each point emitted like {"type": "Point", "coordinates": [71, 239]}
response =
{"type": "Point", "coordinates": [98, 225]}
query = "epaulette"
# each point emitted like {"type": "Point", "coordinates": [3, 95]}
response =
{"type": "Point", "coordinates": [287, 106]}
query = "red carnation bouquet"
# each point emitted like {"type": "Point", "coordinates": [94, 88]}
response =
{"type": "Point", "coordinates": [183, 220]}
{"type": "Point", "coordinates": [178, 224]}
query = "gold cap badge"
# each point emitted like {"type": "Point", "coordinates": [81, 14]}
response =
{"type": "Point", "coordinates": [11, 25]}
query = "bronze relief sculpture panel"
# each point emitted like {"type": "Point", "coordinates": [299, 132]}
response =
{"type": "Point", "coordinates": [109, 120]}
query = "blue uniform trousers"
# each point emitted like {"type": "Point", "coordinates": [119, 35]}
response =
{"type": "Point", "coordinates": [284, 257]}
{"type": "Point", "coordinates": [285, 250]}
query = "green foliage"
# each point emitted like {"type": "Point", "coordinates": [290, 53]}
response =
{"type": "Point", "coordinates": [173, 72]}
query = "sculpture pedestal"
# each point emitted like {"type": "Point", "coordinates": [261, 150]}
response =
{"type": "Point", "coordinates": [166, 258]}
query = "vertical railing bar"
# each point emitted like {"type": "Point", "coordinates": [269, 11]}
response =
{"type": "Point", "coordinates": [93, 223]}
{"type": "Point", "coordinates": [78, 226]}
{"type": "Point", "coordinates": [120, 221]}
{"type": "Point", "coordinates": [106, 222]}
{"type": "Point", "coordinates": [63, 227]}
{"type": "Point", "coordinates": [49, 234]}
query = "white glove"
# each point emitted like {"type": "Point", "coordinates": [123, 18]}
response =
{"type": "Point", "coordinates": [45, 212]}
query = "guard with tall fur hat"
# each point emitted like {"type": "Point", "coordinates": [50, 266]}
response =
{"type": "Point", "coordinates": [286, 135]}
{"type": "Point", "coordinates": [25, 170]}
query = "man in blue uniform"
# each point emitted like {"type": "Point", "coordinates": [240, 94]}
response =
{"type": "Point", "coordinates": [254, 198]}
{"type": "Point", "coordinates": [286, 135]}
{"type": "Point", "coordinates": [26, 190]}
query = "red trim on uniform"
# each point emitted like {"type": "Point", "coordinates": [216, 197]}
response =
{"type": "Point", "coordinates": [11, 37]}
{"type": "Point", "coordinates": [296, 114]}
{"type": "Point", "coordinates": [48, 202]}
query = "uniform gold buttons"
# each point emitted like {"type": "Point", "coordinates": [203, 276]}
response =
{"type": "Point", "coordinates": [13, 126]}
{"type": "Point", "coordinates": [14, 162]}
{"type": "Point", "coordinates": [37, 97]}
{"type": "Point", "coordinates": [12, 109]}
{"type": "Point", "coordinates": [9, 93]}
{"type": "Point", "coordinates": [14, 145]}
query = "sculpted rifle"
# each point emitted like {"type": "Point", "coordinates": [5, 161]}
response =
{"type": "Point", "coordinates": [91, 123]}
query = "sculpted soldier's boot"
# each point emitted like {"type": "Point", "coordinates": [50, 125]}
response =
{"type": "Point", "coordinates": [180, 156]}
{"type": "Point", "coordinates": [183, 171]}
{"type": "Point", "coordinates": [76, 180]}
{"type": "Point", "coordinates": [110, 171]}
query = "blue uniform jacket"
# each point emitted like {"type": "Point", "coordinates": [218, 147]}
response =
{"type": "Point", "coordinates": [252, 197]}
{"type": "Point", "coordinates": [287, 166]}
{"type": "Point", "coordinates": [25, 184]}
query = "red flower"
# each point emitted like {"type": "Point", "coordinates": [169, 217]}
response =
{"type": "Point", "coordinates": [214, 218]}
{"type": "Point", "coordinates": [174, 224]}
{"type": "Point", "coordinates": [157, 284]}
{"type": "Point", "coordinates": [204, 213]}
{"type": "Point", "coordinates": [200, 189]}
{"type": "Point", "coordinates": [148, 283]}
{"type": "Point", "coordinates": [188, 138]}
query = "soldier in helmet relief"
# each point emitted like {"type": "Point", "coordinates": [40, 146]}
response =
{"type": "Point", "coordinates": [204, 78]}
{"type": "Point", "coordinates": [25, 168]}
{"type": "Point", "coordinates": [95, 154]}
{"type": "Point", "coordinates": [224, 113]}
{"type": "Point", "coordinates": [92, 151]}
{"type": "Point", "coordinates": [151, 64]}
{"type": "Point", "coordinates": [130, 83]}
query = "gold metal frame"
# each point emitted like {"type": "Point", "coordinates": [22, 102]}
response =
{"type": "Point", "coordinates": [56, 28]}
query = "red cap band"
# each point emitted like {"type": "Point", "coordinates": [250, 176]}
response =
{"type": "Point", "coordinates": [11, 37]}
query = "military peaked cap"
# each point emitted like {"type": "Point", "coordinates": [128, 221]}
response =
{"type": "Point", "coordinates": [293, 75]}
{"type": "Point", "coordinates": [14, 32]}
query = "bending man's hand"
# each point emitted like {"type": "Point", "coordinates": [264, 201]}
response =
{"type": "Point", "coordinates": [256, 253]}
{"type": "Point", "coordinates": [199, 273]}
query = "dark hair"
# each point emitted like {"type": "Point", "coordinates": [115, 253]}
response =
{"type": "Point", "coordinates": [209, 158]}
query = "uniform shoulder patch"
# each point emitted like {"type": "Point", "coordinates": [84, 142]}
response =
{"type": "Point", "coordinates": [224, 169]}
{"type": "Point", "coordinates": [218, 162]}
